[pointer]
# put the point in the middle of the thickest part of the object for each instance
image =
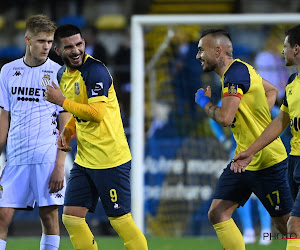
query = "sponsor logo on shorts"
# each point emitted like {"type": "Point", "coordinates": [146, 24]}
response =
{"type": "Point", "coordinates": [116, 206]}
{"type": "Point", "coordinates": [58, 195]}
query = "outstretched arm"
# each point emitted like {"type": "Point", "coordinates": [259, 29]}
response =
{"type": "Point", "coordinates": [273, 130]}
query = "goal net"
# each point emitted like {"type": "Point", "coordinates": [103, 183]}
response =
{"type": "Point", "coordinates": [178, 153]}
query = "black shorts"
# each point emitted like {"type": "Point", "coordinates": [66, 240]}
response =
{"type": "Point", "coordinates": [111, 185]}
{"type": "Point", "coordinates": [294, 180]}
{"type": "Point", "coordinates": [270, 185]}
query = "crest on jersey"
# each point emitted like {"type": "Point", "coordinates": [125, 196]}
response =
{"type": "Point", "coordinates": [45, 80]}
{"type": "Point", "coordinates": [97, 88]}
{"type": "Point", "coordinates": [232, 89]}
{"type": "Point", "coordinates": [76, 88]}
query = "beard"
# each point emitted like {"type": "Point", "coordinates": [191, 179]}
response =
{"type": "Point", "coordinates": [68, 63]}
{"type": "Point", "coordinates": [208, 67]}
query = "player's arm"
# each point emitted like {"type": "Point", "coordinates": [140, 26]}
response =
{"type": "Point", "coordinates": [70, 126]}
{"type": "Point", "coordinates": [64, 119]}
{"type": "Point", "coordinates": [223, 115]}
{"type": "Point", "coordinates": [56, 181]}
{"type": "Point", "coordinates": [272, 131]}
{"type": "Point", "coordinates": [90, 112]}
{"type": "Point", "coordinates": [4, 128]}
{"type": "Point", "coordinates": [271, 93]}
{"type": "Point", "coordinates": [65, 136]}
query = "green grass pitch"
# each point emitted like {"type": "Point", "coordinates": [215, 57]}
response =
{"type": "Point", "coordinates": [155, 243]}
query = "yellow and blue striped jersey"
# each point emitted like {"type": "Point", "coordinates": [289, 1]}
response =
{"type": "Point", "coordinates": [253, 115]}
{"type": "Point", "coordinates": [99, 145]}
{"type": "Point", "coordinates": [291, 105]}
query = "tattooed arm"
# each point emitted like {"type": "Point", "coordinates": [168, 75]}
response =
{"type": "Point", "coordinates": [223, 115]}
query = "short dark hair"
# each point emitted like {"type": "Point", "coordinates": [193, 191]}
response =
{"type": "Point", "coordinates": [215, 33]}
{"type": "Point", "coordinates": [293, 35]}
{"type": "Point", "coordinates": [65, 30]}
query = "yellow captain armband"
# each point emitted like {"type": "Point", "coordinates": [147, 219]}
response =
{"type": "Point", "coordinates": [89, 112]}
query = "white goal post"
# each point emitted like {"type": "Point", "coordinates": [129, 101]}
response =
{"type": "Point", "coordinates": [138, 22]}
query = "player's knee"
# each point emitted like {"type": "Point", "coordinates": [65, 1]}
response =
{"type": "Point", "coordinates": [133, 238]}
{"type": "Point", "coordinates": [80, 234]}
{"type": "Point", "coordinates": [69, 221]}
{"type": "Point", "coordinates": [6, 215]}
{"type": "Point", "coordinates": [116, 221]}
{"type": "Point", "coordinates": [217, 215]}
{"type": "Point", "coordinates": [213, 215]}
{"type": "Point", "coordinates": [293, 225]}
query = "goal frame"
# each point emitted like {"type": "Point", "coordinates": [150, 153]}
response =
{"type": "Point", "coordinates": [137, 68]}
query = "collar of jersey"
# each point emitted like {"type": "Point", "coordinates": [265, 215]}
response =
{"type": "Point", "coordinates": [35, 65]}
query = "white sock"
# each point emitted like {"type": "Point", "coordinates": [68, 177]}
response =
{"type": "Point", "coordinates": [2, 244]}
{"type": "Point", "coordinates": [49, 242]}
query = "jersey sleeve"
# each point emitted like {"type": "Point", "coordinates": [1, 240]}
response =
{"type": "Point", "coordinates": [59, 74]}
{"type": "Point", "coordinates": [236, 80]}
{"type": "Point", "coordinates": [285, 106]}
{"type": "Point", "coordinates": [4, 97]}
{"type": "Point", "coordinates": [57, 82]}
{"type": "Point", "coordinates": [59, 109]}
{"type": "Point", "coordinates": [97, 80]}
